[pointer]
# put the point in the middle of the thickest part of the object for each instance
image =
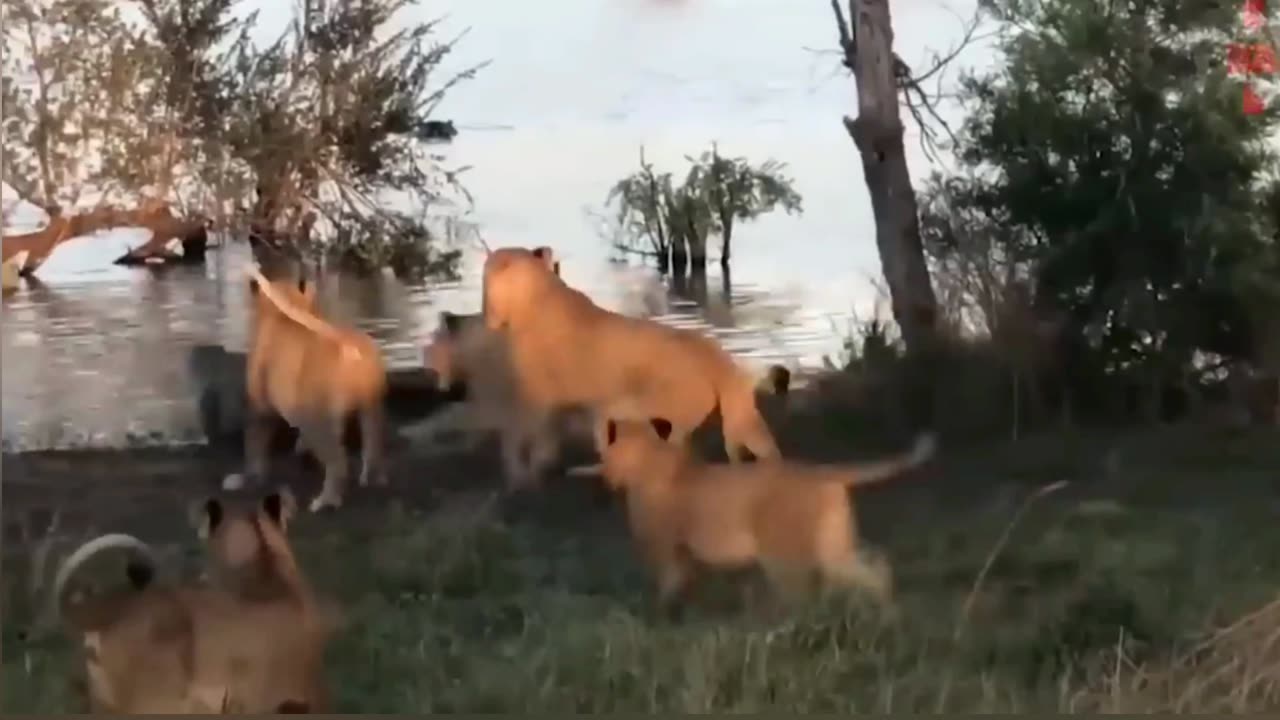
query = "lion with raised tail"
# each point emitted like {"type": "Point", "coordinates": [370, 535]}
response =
{"type": "Point", "coordinates": [314, 375]}
{"type": "Point", "coordinates": [791, 518]}
{"type": "Point", "coordinates": [254, 645]}
{"type": "Point", "coordinates": [566, 351]}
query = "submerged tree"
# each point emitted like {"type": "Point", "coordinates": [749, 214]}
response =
{"type": "Point", "coordinates": [642, 212]}
{"type": "Point", "coordinates": [322, 130]}
{"type": "Point", "coordinates": [676, 221]}
{"type": "Point", "coordinates": [732, 189]}
{"type": "Point", "coordinates": [330, 121]}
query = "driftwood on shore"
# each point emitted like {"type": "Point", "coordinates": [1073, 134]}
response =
{"type": "Point", "coordinates": [219, 379]}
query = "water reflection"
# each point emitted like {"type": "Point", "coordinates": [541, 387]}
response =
{"type": "Point", "coordinates": [105, 363]}
{"type": "Point", "coordinates": [95, 352]}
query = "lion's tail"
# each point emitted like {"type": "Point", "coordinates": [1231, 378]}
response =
{"type": "Point", "coordinates": [743, 425]}
{"type": "Point", "coordinates": [306, 319]}
{"type": "Point", "coordinates": [90, 549]}
{"type": "Point", "coordinates": [878, 471]}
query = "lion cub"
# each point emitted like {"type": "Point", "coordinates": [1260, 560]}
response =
{"type": "Point", "coordinates": [253, 642]}
{"type": "Point", "coordinates": [463, 351]}
{"type": "Point", "coordinates": [791, 518]}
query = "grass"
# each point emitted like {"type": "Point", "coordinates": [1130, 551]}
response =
{"type": "Point", "coordinates": [1092, 604]}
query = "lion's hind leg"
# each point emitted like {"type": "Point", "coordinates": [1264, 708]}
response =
{"type": "Point", "coordinates": [544, 448]}
{"type": "Point", "coordinates": [257, 440]}
{"type": "Point", "coordinates": [372, 448]}
{"type": "Point", "coordinates": [326, 438]}
{"type": "Point", "coordinates": [515, 441]}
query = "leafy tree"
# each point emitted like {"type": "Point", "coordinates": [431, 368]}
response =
{"type": "Point", "coordinates": [1115, 144]}
{"type": "Point", "coordinates": [732, 189]}
{"type": "Point", "coordinates": [329, 119]}
{"type": "Point", "coordinates": [643, 211]}
{"type": "Point", "coordinates": [675, 221]}
{"type": "Point", "coordinates": [322, 130]}
{"type": "Point", "coordinates": [59, 77]}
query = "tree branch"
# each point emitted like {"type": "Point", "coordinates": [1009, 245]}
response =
{"type": "Point", "coordinates": [920, 104]}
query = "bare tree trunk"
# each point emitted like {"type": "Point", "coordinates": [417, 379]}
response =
{"type": "Point", "coordinates": [878, 134]}
{"type": "Point", "coordinates": [726, 239]}
{"type": "Point", "coordinates": [697, 241]}
{"type": "Point", "coordinates": [679, 255]}
{"type": "Point", "coordinates": [697, 255]}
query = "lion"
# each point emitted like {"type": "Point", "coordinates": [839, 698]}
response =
{"type": "Point", "coordinates": [791, 518]}
{"type": "Point", "coordinates": [463, 353]}
{"type": "Point", "coordinates": [167, 648]}
{"type": "Point", "coordinates": [567, 351]}
{"type": "Point", "coordinates": [548, 258]}
{"type": "Point", "coordinates": [314, 375]}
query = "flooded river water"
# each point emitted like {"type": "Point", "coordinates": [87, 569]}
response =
{"type": "Point", "coordinates": [95, 354]}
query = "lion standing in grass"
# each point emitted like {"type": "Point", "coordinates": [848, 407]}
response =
{"type": "Point", "coordinates": [314, 375]}
{"type": "Point", "coordinates": [792, 518]}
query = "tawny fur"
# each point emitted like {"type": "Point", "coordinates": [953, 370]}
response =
{"type": "Point", "coordinates": [314, 375]}
{"type": "Point", "coordinates": [567, 351]}
{"type": "Point", "coordinates": [463, 350]}
{"type": "Point", "coordinates": [183, 649]}
{"type": "Point", "coordinates": [791, 518]}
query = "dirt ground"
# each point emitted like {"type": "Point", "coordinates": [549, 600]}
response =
{"type": "Point", "coordinates": [149, 491]}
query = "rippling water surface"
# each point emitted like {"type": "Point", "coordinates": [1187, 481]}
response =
{"type": "Point", "coordinates": [95, 354]}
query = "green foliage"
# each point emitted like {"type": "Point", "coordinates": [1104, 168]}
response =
{"type": "Point", "coordinates": [452, 607]}
{"type": "Point", "coordinates": [329, 118]}
{"type": "Point", "coordinates": [676, 220]}
{"type": "Point", "coordinates": [62, 80]}
{"type": "Point", "coordinates": [1109, 165]}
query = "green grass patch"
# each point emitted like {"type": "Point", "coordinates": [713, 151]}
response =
{"type": "Point", "coordinates": [447, 613]}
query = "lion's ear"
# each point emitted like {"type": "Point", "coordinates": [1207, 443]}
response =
{"type": "Point", "coordinates": [547, 256]}
{"type": "Point", "coordinates": [302, 284]}
{"type": "Point", "coordinates": [610, 432]}
{"type": "Point", "coordinates": [207, 516]}
{"type": "Point", "coordinates": [450, 321]}
{"type": "Point", "coordinates": [662, 426]}
{"type": "Point", "coordinates": [253, 286]}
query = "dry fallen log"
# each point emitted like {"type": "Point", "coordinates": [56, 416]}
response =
{"type": "Point", "coordinates": [167, 230]}
{"type": "Point", "coordinates": [172, 239]}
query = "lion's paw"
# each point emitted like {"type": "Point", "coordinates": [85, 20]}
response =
{"type": "Point", "coordinates": [322, 502]}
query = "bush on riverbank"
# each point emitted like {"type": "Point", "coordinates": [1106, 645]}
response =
{"type": "Point", "coordinates": [480, 608]}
